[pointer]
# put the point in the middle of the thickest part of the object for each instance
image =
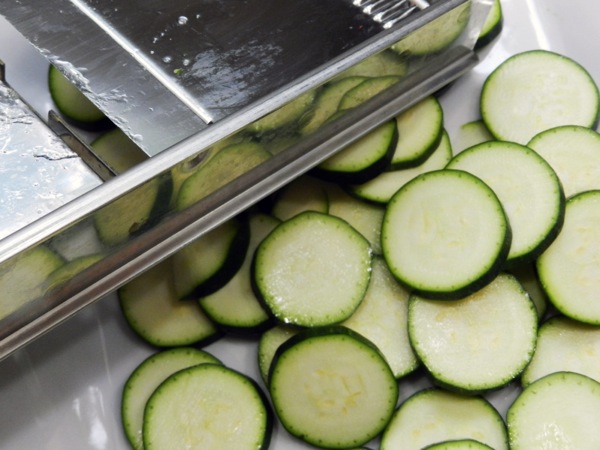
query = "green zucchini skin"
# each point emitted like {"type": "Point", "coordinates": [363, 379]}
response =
{"type": "Point", "coordinates": [73, 105]}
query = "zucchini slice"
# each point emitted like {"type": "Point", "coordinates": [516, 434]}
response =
{"type": "Point", "coordinates": [560, 410]}
{"type": "Point", "coordinates": [569, 269]}
{"type": "Point", "coordinates": [144, 380]}
{"type": "Point", "coordinates": [268, 344]}
{"type": "Point", "coordinates": [445, 234]}
{"type": "Point", "coordinates": [362, 160]}
{"type": "Point", "coordinates": [73, 104]}
{"type": "Point", "coordinates": [492, 27]}
{"type": "Point", "coordinates": [25, 278]}
{"type": "Point", "coordinates": [208, 407]}
{"type": "Point", "coordinates": [208, 263]}
{"type": "Point", "coordinates": [222, 168]}
{"type": "Point", "coordinates": [564, 345]}
{"type": "Point", "coordinates": [574, 154]}
{"type": "Point", "coordinates": [234, 306]}
{"type": "Point", "coordinates": [365, 217]}
{"type": "Point", "coordinates": [382, 318]}
{"type": "Point", "coordinates": [420, 129]}
{"type": "Point", "coordinates": [384, 186]}
{"type": "Point", "coordinates": [472, 133]}
{"type": "Point", "coordinates": [312, 270]}
{"type": "Point", "coordinates": [478, 343]}
{"type": "Point", "coordinates": [304, 193]}
{"type": "Point", "coordinates": [157, 315]}
{"type": "Point", "coordinates": [117, 150]}
{"type": "Point", "coordinates": [332, 388]}
{"type": "Point", "coordinates": [460, 444]}
{"type": "Point", "coordinates": [536, 90]}
{"type": "Point", "coordinates": [366, 90]}
{"type": "Point", "coordinates": [528, 188]}
{"type": "Point", "coordinates": [434, 415]}
{"type": "Point", "coordinates": [327, 102]}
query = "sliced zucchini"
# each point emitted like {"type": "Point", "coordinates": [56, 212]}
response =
{"type": "Point", "coordinates": [70, 269]}
{"type": "Point", "coordinates": [72, 103]}
{"type": "Point", "coordinates": [268, 344]}
{"type": "Point", "coordinates": [332, 388]}
{"type": "Point", "coordinates": [536, 90]}
{"type": "Point", "coordinates": [208, 263]}
{"type": "Point", "coordinates": [234, 306]}
{"type": "Point", "coordinates": [305, 193]}
{"type": "Point", "coordinates": [117, 150]}
{"type": "Point", "coordinates": [365, 91]}
{"type": "Point", "coordinates": [362, 160]}
{"type": "Point", "coordinates": [144, 380]}
{"type": "Point", "coordinates": [472, 133]}
{"type": "Point", "coordinates": [208, 407]}
{"type": "Point", "coordinates": [382, 318]}
{"type": "Point", "coordinates": [157, 315]}
{"type": "Point", "coordinates": [564, 345]}
{"type": "Point", "coordinates": [445, 234]}
{"type": "Point", "coordinates": [24, 278]}
{"type": "Point", "coordinates": [492, 26]}
{"type": "Point", "coordinates": [381, 188]}
{"type": "Point", "coordinates": [366, 218]}
{"type": "Point", "coordinates": [286, 116]}
{"type": "Point", "coordinates": [382, 64]}
{"type": "Point", "coordinates": [228, 164]}
{"type": "Point", "coordinates": [133, 213]}
{"type": "Point", "coordinates": [437, 34]}
{"type": "Point", "coordinates": [478, 343]}
{"type": "Point", "coordinates": [420, 129]}
{"type": "Point", "coordinates": [433, 415]}
{"type": "Point", "coordinates": [312, 269]}
{"type": "Point", "coordinates": [574, 154]}
{"type": "Point", "coordinates": [461, 444]}
{"type": "Point", "coordinates": [327, 102]}
{"type": "Point", "coordinates": [528, 188]}
{"type": "Point", "coordinates": [569, 269]}
{"type": "Point", "coordinates": [527, 276]}
{"type": "Point", "coordinates": [558, 411]}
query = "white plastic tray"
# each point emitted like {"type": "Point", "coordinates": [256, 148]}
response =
{"type": "Point", "coordinates": [63, 390]}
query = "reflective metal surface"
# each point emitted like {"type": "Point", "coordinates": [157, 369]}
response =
{"type": "Point", "coordinates": [143, 241]}
{"type": "Point", "coordinates": [38, 171]}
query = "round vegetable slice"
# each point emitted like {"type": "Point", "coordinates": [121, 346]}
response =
{"type": "Point", "coordinates": [538, 417]}
{"type": "Point", "coordinates": [146, 378]}
{"type": "Point", "coordinates": [462, 444]}
{"type": "Point", "coordinates": [434, 415]}
{"type": "Point", "coordinates": [445, 234]}
{"type": "Point", "coordinates": [332, 388]}
{"type": "Point", "coordinates": [574, 154]}
{"type": "Point", "coordinates": [477, 343]}
{"type": "Point", "coordinates": [536, 90]}
{"type": "Point", "coordinates": [313, 269]}
{"type": "Point", "coordinates": [528, 188]}
{"type": "Point", "coordinates": [569, 269]}
{"type": "Point", "coordinates": [564, 345]}
{"type": "Point", "coordinates": [207, 406]}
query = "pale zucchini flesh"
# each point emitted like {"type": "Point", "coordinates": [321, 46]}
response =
{"type": "Point", "coordinates": [144, 380]}
{"type": "Point", "coordinates": [332, 388]}
{"type": "Point", "coordinates": [445, 219]}
{"type": "Point", "coordinates": [477, 343]}
{"type": "Point", "coordinates": [540, 418]}
{"type": "Point", "coordinates": [312, 270]}
{"type": "Point", "coordinates": [568, 269]}
{"type": "Point", "coordinates": [434, 415]}
{"type": "Point", "coordinates": [537, 90]}
{"type": "Point", "coordinates": [209, 407]}
{"type": "Point", "coordinates": [528, 188]}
